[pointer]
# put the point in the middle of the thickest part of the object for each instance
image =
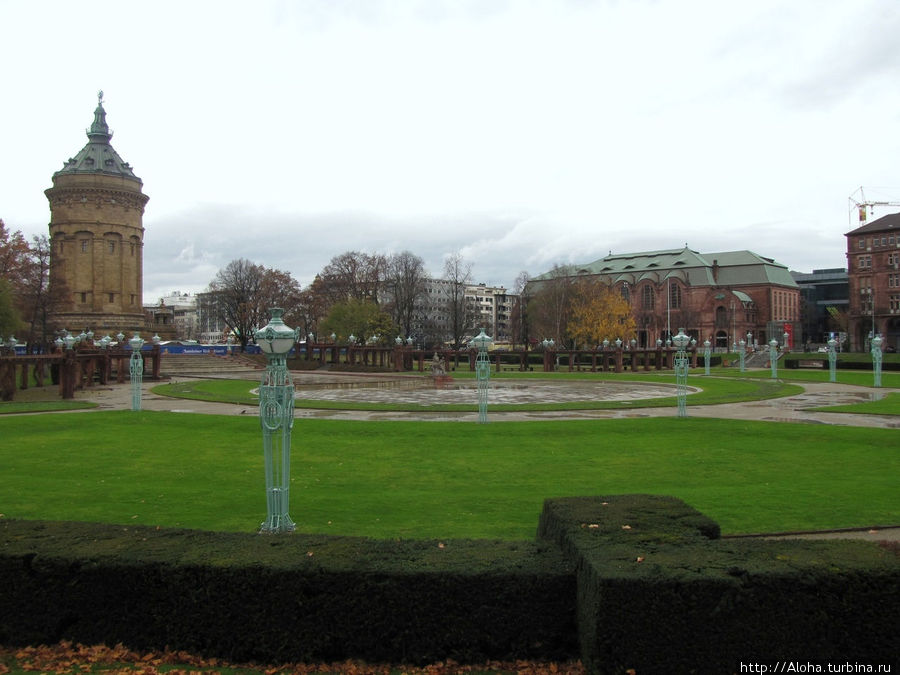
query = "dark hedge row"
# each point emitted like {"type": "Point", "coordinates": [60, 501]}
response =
{"type": "Point", "coordinates": [628, 582]}
{"type": "Point", "coordinates": [862, 363]}
{"type": "Point", "coordinates": [659, 592]}
{"type": "Point", "coordinates": [247, 597]}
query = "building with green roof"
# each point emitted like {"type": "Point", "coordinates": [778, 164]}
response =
{"type": "Point", "coordinates": [97, 237]}
{"type": "Point", "coordinates": [716, 296]}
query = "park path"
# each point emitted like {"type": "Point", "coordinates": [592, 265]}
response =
{"type": "Point", "coordinates": [797, 409]}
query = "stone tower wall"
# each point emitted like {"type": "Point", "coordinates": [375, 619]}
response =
{"type": "Point", "coordinates": [97, 233]}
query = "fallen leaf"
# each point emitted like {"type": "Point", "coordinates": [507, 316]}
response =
{"type": "Point", "coordinates": [626, 527]}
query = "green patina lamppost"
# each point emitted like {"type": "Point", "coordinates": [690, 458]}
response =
{"type": "Point", "coordinates": [276, 417]}
{"type": "Point", "coordinates": [482, 373]}
{"type": "Point", "coordinates": [876, 359]}
{"type": "Point", "coordinates": [773, 357]}
{"type": "Point", "coordinates": [832, 360]}
{"type": "Point", "coordinates": [681, 370]}
{"type": "Point", "coordinates": [706, 350]}
{"type": "Point", "coordinates": [137, 370]}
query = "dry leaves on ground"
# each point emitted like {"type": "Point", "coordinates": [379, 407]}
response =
{"type": "Point", "coordinates": [66, 658]}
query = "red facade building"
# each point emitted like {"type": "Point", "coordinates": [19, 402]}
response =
{"type": "Point", "coordinates": [720, 297]}
{"type": "Point", "coordinates": [873, 267]}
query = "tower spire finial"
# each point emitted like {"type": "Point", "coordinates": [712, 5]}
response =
{"type": "Point", "coordinates": [100, 97]}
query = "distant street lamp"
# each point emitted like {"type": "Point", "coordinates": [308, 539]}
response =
{"type": "Point", "coordinates": [276, 417]}
{"type": "Point", "coordinates": [773, 357]}
{"type": "Point", "coordinates": [137, 371]}
{"type": "Point", "coordinates": [832, 360]}
{"type": "Point", "coordinates": [742, 353]}
{"type": "Point", "coordinates": [681, 370]}
{"type": "Point", "coordinates": [876, 359]}
{"type": "Point", "coordinates": [482, 373]}
{"type": "Point", "coordinates": [706, 357]}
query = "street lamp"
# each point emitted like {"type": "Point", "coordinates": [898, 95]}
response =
{"type": "Point", "coordinates": [681, 370]}
{"type": "Point", "coordinates": [482, 373]}
{"type": "Point", "coordinates": [706, 357]}
{"type": "Point", "coordinates": [832, 360]}
{"type": "Point", "coordinates": [773, 357]}
{"type": "Point", "coordinates": [742, 353]}
{"type": "Point", "coordinates": [137, 371]}
{"type": "Point", "coordinates": [876, 359]}
{"type": "Point", "coordinates": [276, 417]}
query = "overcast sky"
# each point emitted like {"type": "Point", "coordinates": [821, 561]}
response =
{"type": "Point", "coordinates": [519, 133]}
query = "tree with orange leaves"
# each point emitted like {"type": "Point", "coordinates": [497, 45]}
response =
{"type": "Point", "coordinates": [599, 312]}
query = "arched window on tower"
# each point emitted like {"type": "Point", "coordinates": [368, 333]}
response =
{"type": "Point", "coordinates": [648, 297]}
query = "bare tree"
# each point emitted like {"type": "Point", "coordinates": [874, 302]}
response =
{"type": "Point", "coordinates": [518, 319]}
{"type": "Point", "coordinates": [459, 274]}
{"type": "Point", "coordinates": [280, 289]}
{"type": "Point", "coordinates": [550, 303]}
{"type": "Point", "coordinates": [38, 299]}
{"type": "Point", "coordinates": [237, 287]}
{"type": "Point", "coordinates": [353, 275]}
{"type": "Point", "coordinates": [404, 285]}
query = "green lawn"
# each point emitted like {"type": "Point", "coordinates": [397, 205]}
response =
{"type": "Point", "coordinates": [421, 480]}
{"type": "Point", "coordinates": [889, 405]}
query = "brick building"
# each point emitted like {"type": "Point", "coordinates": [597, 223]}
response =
{"type": "Point", "coordinates": [717, 296]}
{"type": "Point", "coordinates": [873, 266]}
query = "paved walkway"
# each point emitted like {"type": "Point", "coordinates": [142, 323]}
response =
{"type": "Point", "coordinates": [788, 409]}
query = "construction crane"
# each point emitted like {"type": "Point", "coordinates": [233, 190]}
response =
{"type": "Point", "coordinates": [864, 208]}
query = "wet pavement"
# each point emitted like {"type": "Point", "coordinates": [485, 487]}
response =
{"type": "Point", "coordinates": [418, 389]}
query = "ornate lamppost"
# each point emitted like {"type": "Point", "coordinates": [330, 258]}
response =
{"type": "Point", "coordinates": [276, 417]}
{"type": "Point", "coordinates": [742, 354]}
{"type": "Point", "coordinates": [681, 370]}
{"type": "Point", "coordinates": [832, 360]}
{"type": "Point", "coordinates": [773, 357]}
{"type": "Point", "coordinates": [876, 359]}
{"type": "Point", "coordinates": [137, 371]}
{"type": "Point", "coordinates": [482, 373]}
{"type": "Point", "coordinates": [706, 351]}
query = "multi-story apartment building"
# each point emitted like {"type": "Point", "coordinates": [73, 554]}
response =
{"type": "Point", "coordinates": [873, 265]}
{"type": "Point", "coordinates": [491, 308]}
{"type": "Point", "coordinates": [174, 317]}
{"type": "Point", "coordinates": [210, 325]}
{"type": "Point", "coordinates": [482, 306]}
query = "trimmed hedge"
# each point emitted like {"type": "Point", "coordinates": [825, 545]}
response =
{"type": "Point", "coordinates": [658, 592]}
{"type": "Point", "coordinates": [636, 582]}
{"type": "Point", "coordinates": [847, 362]}
{"type": "Point", "coordinates": [292, 598]}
